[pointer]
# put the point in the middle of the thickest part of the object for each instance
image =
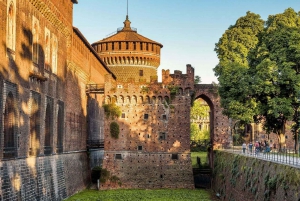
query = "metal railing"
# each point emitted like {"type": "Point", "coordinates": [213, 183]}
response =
{"type": "Point", "coordinates": [94, 88]}
{"type": "Point", "coordinates": [95, 143]}
{"type": "Point", "coordinates": [283, 156]}
{"type": "Point", "coordinates": [9, 152]}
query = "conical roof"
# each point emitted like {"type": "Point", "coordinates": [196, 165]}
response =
{"type": "Point", "coordinates": [127, 33]}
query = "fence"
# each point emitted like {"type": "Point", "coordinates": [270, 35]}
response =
{"type": "Point", "coordinates": [284, 156]}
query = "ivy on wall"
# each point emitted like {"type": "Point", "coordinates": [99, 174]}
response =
{"type": "Point", "coordinates": [112, 110]}
{"type": "Point", "coordinates": [114, 130]}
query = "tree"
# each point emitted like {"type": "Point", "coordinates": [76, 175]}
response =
{"type": "Point", "coordinates": [232, 70]}
{"type": "Point", "coordinates": [197, 79]}
{"type": "Point", "coordinates": [262, 81]}
{"type": "Point", "coordinates": [199, 111]}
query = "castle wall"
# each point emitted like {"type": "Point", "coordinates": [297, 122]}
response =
{"type": "Point", "coordinates": [43, 129]}
{"type": "Point", "coordinates": [43, 178]}
{"type": "Point", "coordinates": [153, 147]}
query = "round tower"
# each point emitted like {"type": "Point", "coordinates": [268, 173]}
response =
{"type": "Point", "coordinates": [130, 55]}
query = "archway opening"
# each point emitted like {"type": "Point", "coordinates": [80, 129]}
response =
{"type": "Point", "coordinates": [201, 135]}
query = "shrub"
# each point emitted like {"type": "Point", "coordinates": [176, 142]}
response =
{"type": "Point", "coordinates": [114, 130]}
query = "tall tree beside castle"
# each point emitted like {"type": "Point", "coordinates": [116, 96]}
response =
{"type": "Point", "coordinates": [265, 86]}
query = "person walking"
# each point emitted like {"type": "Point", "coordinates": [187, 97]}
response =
{"type": "Point", "coordinates": [244, 147]}
{"type": "Point", "coordinates": [250, 147]}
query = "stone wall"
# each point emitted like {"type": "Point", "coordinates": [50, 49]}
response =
{"type": "Point", "coordinates": [153, 147]}
{"type": "Point", "coordinates": [43, 178]}
{"type": "Point", "coordinates": [237, 177]}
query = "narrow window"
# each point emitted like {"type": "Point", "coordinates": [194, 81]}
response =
{"type": "Point", "coordinates": [146, 116]}
{"type": "Point", "coordinates": [113, 46]}
{"type": "Point", "coordinates": [162, 136]}
{"type": "Point", "coordinates": [141, 72]}
{"type": "Point", "coordinates": [174, 156]}
{"type": "Point", "coordinates": [147, 46]}
{"type": "Point", "coordinates": [48, 130]}
{"type": "Point", "coordinates": [118, 156]}
{"type": "Point", "coordinates": [164, 117]}
{"type": "Point", "coordinates": [9, 127]}
{"type": "Point", "coordinates": [134, 45]}
{"type": "Point", "coordinates": [127, 46]}
{"type": "Point", "coordinates": [140, 148]}
{"type": "Point", "coordinates": [106, 44]}
{"type": "Point", "coordinates": [141, 46]}
{"type": "Point", "coordinates": [120, 46]}
{"type": "Point", "coordinates": [60, 128]}
{"type": "Point", "coordinates": [123, 115]}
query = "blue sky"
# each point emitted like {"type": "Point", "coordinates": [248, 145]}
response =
{"type": "Point", "coordinates": [188, 29]}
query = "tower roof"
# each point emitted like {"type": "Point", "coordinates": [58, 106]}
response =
{"type": "Point", "coordinates": [127, 33]}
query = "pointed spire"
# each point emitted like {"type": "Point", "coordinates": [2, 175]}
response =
{"type": "Point", "coordinates": [127, 24]}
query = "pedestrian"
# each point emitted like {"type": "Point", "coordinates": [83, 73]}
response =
{"type": "Point", "coordinates": [250, 147]}
{"type": "Point", "coordinates": [257, 147]}
{"type": "Point", "coordinates": [244, 147]}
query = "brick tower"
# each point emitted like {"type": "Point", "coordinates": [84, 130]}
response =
{"type": "Point", "coordinates": [130, 55]}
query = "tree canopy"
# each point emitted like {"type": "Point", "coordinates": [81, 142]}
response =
{"type": "Point", "coordinates": [258, 69]}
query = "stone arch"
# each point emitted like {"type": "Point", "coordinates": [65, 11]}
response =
{"type": "Point", "coordinates": [153, 100]}
{"type": "Point", "coordinates": [180, 91]}
{"type": "Point", "coordinates": [114, 99]}
{"type": "Point", "coordinates": [159, 100]}
{"type": "Point", "coordinates": [134, 99]}
{"type": "Point", "coordinates": [128, 99]}
{"type": "Point", "coordinates": [147, 100]}
{"type": "Point", "coordinates": [141, 99]}
{"type": "Point", "coordinates": [121, 99]}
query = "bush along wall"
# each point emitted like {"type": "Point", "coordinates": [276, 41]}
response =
{"type": "Point", "coordinates": [237, 177]}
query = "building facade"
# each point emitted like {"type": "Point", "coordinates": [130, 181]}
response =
{"type": "Point", "coordinates": [45, 67]}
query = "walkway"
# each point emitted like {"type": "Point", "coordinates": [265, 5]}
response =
{"type": "Point", "coordinates": [287, 157]}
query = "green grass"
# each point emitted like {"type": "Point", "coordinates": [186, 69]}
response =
{"type": "Point", "coordinates": [202, 155]}
{"type": "Point", "coordinates": [140, 195]}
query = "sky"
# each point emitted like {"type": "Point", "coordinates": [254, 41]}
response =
{"type": "Point", "coordinates": [187, 29]}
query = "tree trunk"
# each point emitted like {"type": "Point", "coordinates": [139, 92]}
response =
{"type": "Point", "coordinates": [281, 141]}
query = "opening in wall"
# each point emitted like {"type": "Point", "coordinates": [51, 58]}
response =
{"type": "Point", "coordinates": [140, 148]}
{"type": "Point", "coordinates": [118, 156]}
{"type": "Point", "coordinates": [146, 116]}
{"type": "Point", "coordinates": [174, 156]}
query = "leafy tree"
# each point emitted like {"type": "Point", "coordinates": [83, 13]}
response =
{"type": "Point", "coordinates": [259, 79]}
{"type": "Point", "coordinates": [232, 70]}
{"type": "Point", "coordinates": [197, 79]}
{"type": "Point", "coordinates": [199, 110]}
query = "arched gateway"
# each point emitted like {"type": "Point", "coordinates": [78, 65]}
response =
{"type": "Point", "coordinates": [220, 125]}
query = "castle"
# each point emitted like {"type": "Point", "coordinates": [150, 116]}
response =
{"type": "Point", "coordinates": [54, 89]}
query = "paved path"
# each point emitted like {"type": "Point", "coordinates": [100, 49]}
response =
{"type": "Point", "coordinates": [282, 158]}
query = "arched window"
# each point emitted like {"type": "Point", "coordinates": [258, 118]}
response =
{"type": "Point", "coordinates": [60, 128]}
{"type": "Point", "coordinates": [9, 127]}
{"type": "Point", "coordinates": [48, 130]}
{"type": "Point", "coordinates": [11, 26]}
{"type": "Point", "coordinates": [35, 126]}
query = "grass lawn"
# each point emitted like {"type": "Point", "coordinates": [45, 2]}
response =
{"type": "Point", "coordinates": [202, 155]}
{"type": "Point", "coordinates": [140, 195]}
